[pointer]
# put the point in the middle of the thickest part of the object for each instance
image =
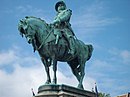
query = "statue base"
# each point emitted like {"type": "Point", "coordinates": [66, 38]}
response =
{"type": "Point", "coordinates": [62, 91]}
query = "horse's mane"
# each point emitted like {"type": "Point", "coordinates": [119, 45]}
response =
{"type": "Point", "coordinates": [28, 17]}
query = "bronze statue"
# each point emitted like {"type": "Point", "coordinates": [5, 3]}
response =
{"type": "Point", "coordinates": [62, 25]}
{"type": "Point", "coordinates": [51, 49]}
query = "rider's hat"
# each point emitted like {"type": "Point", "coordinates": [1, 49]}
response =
{"type": "Point", "coordinates": [58, 3]}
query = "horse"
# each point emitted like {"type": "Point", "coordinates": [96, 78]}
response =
{"type": "Point", "coordinates": [41, 36]}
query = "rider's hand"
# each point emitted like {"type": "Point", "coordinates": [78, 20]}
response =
{"type": "Point", "coordinates": [56, 21]}
{"type": "Point", "coordinates": [51, 25]}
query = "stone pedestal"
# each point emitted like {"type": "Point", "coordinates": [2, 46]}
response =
{"type": "Point", "coordinates": [62, 91]}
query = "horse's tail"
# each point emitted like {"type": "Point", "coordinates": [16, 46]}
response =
{"type": "Point", "coordinates": [90, 50]}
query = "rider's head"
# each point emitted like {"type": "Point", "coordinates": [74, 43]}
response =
{"type": "Point", "coordinates": [60, 6]}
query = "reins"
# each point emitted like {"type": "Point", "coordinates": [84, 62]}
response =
{"type": "Point", "coordinates": [43, 42]}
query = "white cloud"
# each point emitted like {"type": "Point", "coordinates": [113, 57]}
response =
{"type": "Point", "coordinates": [24, 10]}
{"type": "Point", "coordinates": [94, 16]}
{"type": "Point", "coordinates": [100, 66]}
{"type": "Point", "coordinates": [19, 82]}
{"type": "Point", "coordinates": [122, 55]}
{"type": "Point", "coordinates": [14, 55]}
{"type": "Point", "coordinates": [32, 11]}
{"type": "Point", "coordinates": [111, 72]}
{"type": "Point", "coordinates": [125, 55]}
{"type": "Point", "coordinates": [7, 57]}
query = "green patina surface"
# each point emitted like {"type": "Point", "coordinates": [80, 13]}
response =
{"type": "Point", "coordinates": [57, 42]}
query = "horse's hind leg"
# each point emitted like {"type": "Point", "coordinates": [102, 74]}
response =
{"type": "Point", "coordinates": [47, 64]}
{"type": "Point", "coordinates": [75, 70]}
{"type": "Point", "coordinates": [82, 73]}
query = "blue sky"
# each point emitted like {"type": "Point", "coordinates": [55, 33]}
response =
{"type": "Point", "coordinates": [103, 23]}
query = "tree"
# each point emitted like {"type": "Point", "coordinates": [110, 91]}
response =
{"type": "Point", "coordinates": [103, 95]}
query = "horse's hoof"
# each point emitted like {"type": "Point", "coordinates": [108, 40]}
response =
{"type": "Point", "coordinates": [80, 87]}
{"type": "Point", "coordinates": [47, 82]}
{"type": "Point", "coordinates": [54, 82]}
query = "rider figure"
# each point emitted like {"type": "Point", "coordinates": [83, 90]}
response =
{"type": "Point", "coordinates": [62, 25]}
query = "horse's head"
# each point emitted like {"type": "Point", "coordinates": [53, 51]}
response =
{"type": "Point", "coordinates": [25, 28]}
{"type": "Point", "coordinates": [34, 29]}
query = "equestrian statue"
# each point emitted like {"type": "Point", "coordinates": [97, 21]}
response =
{"type": "Point", "coordinates": [57, 42]}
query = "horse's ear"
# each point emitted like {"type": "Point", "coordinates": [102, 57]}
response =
{"type": "Point", "coordinates": [27, 17]}
{"type": "Point", "coordinates": [21, 21]}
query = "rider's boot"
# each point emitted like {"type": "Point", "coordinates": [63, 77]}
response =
{"type": "Point", "coordinates": [71, 45]}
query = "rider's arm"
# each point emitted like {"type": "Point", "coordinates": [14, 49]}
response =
{"type": "Point", "coordinates": [62, 17]}
{"type": "Point", "coordinates": [65, 16]}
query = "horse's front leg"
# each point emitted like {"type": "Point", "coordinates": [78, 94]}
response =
{"type": "Point", "coordinates": [54, 70]}
{"type": "Point", "coordinates": [47, 64]}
